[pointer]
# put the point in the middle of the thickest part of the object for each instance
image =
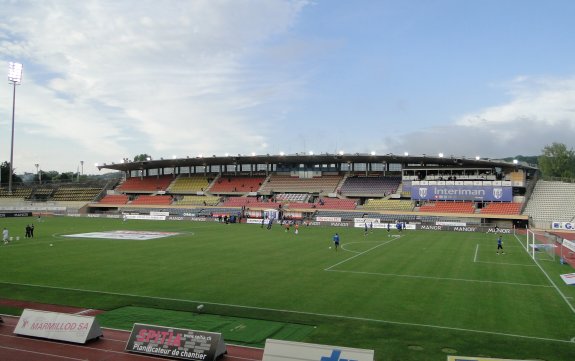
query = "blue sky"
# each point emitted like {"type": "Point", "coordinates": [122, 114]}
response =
{"type": "Point", "coordinates": [105, 79]}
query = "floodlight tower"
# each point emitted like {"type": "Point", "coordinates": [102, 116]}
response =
{"type": "Point", "coordinates": [81, 170]}
{"type": "Point", "coordinates": [14, 77]}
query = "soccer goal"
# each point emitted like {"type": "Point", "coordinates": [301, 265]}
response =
{"type": "Point", "coordinates": [541, 245]}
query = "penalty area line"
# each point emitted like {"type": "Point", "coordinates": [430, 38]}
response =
{"type": "Point", "coordinates": [441, 278]}
{"type": "Point", "coordinates": [348, 243]}
{"type": "Point", "coordinates": [359, 254]}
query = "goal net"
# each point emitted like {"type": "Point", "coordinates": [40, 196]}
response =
{"type": "Point", "coordinates": [542, 245]}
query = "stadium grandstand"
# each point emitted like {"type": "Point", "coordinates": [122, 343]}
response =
{"type": "Point", "coordinates": [413, 189]}
{"type": "Point", "coordinates": [301, 186]}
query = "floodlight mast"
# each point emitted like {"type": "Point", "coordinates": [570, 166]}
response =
{"type": "Point", "coordinates": [14, 77]}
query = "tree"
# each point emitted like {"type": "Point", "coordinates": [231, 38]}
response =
{"type": "Point", "coordinates": [557, 161]}
{"type": "Point", "coordinates": [66, 177]}
{"type": "Point", "coordinates": [5, 171]}
{"type": "Point", "coordinates": [142, 157]}
{"type": "Point", "coordinates": [49, 176]}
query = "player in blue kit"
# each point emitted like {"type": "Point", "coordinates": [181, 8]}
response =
{"type": "Point", "coordinates": [500, 245]}
{"type": "Point", "coordinates": [336, 241]}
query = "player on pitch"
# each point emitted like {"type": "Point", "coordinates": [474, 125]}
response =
{"type": "Point", "coordinates": [500, 245]}
{"type": "Point", "coordinates": [336, 241]}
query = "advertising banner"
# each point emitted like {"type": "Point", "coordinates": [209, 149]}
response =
{"type": "Point", "coordinates": [392, 226]}
{"type": "Point", "coordinates": [437, 227]}
{"type": "Point", "coordinates": [276, 350]}
{"type": "Point", "coordinates": [257, 221]}
{"type": "Point", "coordinates": [450, 223]}
{"type": "Point", "coordinates": [568, 226]}
{"type": "Point", "coordinates": [144, 217]}
{"type": "Point", "coordinates": [176, 343]}
{"type": "Point", "coordinates": [328, 219]}
{"type": "Point", "coordinates": [366, 220]}
{"type": "Point", "coordinates": [461, 193]}
{"type": "Point", "coordinates": [58, 326]}
{"type": "Point", "coordinates": [15, 214]}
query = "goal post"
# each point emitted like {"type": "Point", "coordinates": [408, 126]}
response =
{"type": "Point", "coordinates": [541, 245]}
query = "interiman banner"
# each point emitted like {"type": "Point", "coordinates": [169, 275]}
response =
{"type": "Point", "coordinates": [461, 193]}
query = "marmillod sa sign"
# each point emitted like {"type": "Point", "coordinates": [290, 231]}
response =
{"type": "Point", "coordinates": [58, 326]}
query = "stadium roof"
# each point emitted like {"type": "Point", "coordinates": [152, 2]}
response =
{"type": "Point", "coordinates": [323, 158]}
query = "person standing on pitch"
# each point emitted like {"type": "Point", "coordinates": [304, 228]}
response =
{"type": "Point", "coordinates": [5, 235]}
{"type": "Point", "coordinates": [500, 245]}
{"type": "Point", "coordinates": [336, 241]}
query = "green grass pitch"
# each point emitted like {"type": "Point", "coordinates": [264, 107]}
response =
{"type": "Point", "coordinates": [414, 295]}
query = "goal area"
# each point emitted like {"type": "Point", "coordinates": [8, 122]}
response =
{"type": "Point", "coordinates": [542, 245]}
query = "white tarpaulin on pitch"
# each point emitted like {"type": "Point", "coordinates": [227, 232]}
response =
{"type": "Point", "coordinates": [568, 278]}
{"type": "Point", "coordinates": [276, 350]}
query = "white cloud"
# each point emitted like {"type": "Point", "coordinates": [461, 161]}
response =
{"type": "Point", "coordinates": [544, 101]}
{"type": "Point", "coordinates": [541, 111]}
{"type": "Point", "coordinates": [117, 78]}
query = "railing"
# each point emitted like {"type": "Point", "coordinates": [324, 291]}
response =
{"type": "Point", "coordinates": [529, 190]}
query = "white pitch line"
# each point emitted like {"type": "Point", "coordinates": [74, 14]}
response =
{"type": "Point", "coordinates": [359, 254]}
{"type": "Point", "coordinates": [348, 243]}
{"type": "Point", "coordinates": [84, 311]}
{"type": "Point", "coordinates": [508, 264]}
{"type": "Point", "coordinates": [441, 278]}
{"type": "Point", "coordinates": [476, 249]}
{"type": "Point", "coordinates": [551, 281]}
{"type": "Point", "coordinates": [498, 263]}
{"type": "Point", "coordinates": [347, 250]}
{"type": "Point", "coordinates": [303, 313]}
